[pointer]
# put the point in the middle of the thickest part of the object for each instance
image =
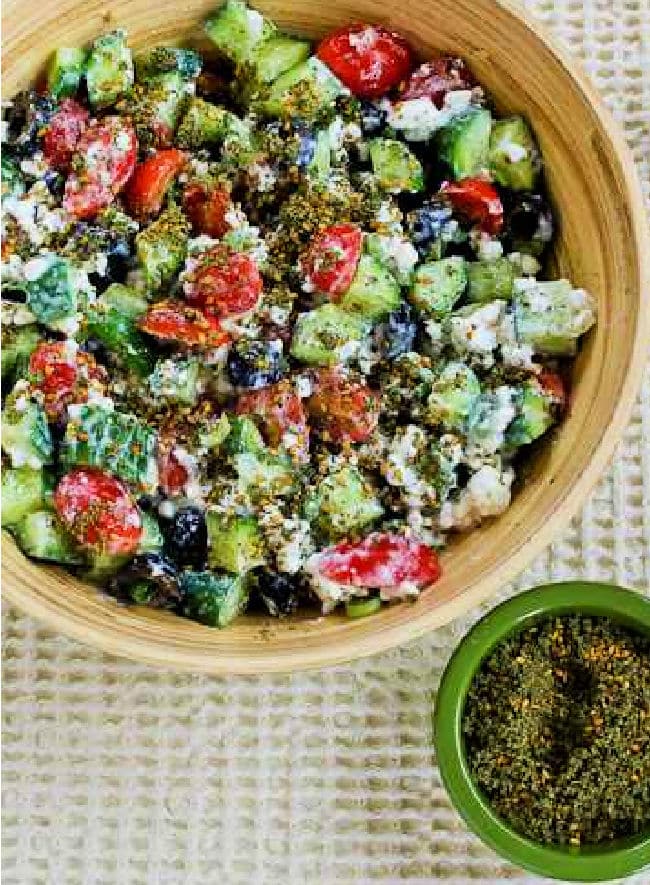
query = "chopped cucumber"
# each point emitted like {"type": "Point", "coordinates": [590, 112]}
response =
{"type": "Point", "coordinates": [307, 90]}
{"type": "Point", "coordinates": [489, 419]}
{"type": "Point", "coordinates": [515, 160]}
{"type": "Point", "coordinates": [534, 416]}
{"type": "Point", "coordinates": [103, 566]}
{"type": "Point", "coordinates": [23, 492]}
{"type": "Point", "coordinates": [26, 436]}
{"type": "Point", "coordinates": [374, 291]}
{"type": "Point", "coordinates": [64, 72]}
{"type": "Point", "coordinates": [361, 608]}
{"type": "Point", "coordinates": [213, 436]}
{"type": "Point", "coordinates": [109, 72]}
{"type": "Point", "coordinates": [490, 279]}
{"type": "Point", "coordinates": [41, 536]}
{"type": "Point", "coordinates": [203, 124]}
{"type": "Point", "coordinates": [120, 335]}
{"type": "Point", "coordinates": [344, 503]}
{"type": "Point", "coordinates": [161, 248]}
{"type": "Point", "coordinates": [125, 300]}
{"type": "Point", "coordinates": [326, 336]}
{"type": "Point", "coordinates": [464, 143]}
{"type": "Point", "coordinates": [152, 63]}
{"type": "Point", "coordinates": [265, 475]}
{"type": "Point", "coordinates": [453, 396]}
{"type": "Point", "coordinates": [237, 31]}
{"type": "Point", "coordinates": [113, 441]}
{"type": "Point", "coordinates": [51, 293]}
{"type": "Point", "coordinates": [13, 183]}
{"type": "Point", "coordinates": [18, 342]}
{"type": "Point", "coordinates": [243, 437]}
{"type": "Point", "coordinates": [396, 167]}
{"type": "Point", "coordinates": [395, 252]}
{"type": "Point", "coordinates": [213, 599]}
{"type": "Point", "coordinates": [176, 381]}
{"type": "Point", "coordinates": [235, 544]}
{"type": "Point", "coordinates": [321, 163]}
{"type": "Point", "coordinates": [278, 54]}
{"type": "Point", "coordinates": [438, 285]}
{"type": "Point", "coordinates": [550, 316]}
{"type": "Point", "coordinates": [151, 540]}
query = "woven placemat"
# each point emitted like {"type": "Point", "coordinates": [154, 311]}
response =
{"type": "Point", "coordinates": [119, 774]}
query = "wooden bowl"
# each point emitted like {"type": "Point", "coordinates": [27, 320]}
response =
{"type": "Point", "coordinates": [602, 246]}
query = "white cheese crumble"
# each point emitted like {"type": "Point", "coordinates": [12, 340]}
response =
{"type": "Point", "coordinates": [263, 176]}
{"type": "Point", "coordinates": [476, 331]}
{"type": "Point", "coordinates": [254, 25]}
{"type": "Point", "coordinates": [487, 494]}
{"type": "Point", "coordinates": [398, 254]}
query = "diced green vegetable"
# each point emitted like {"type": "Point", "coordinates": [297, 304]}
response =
{"type": "Point", "coordinates": [214, 599]}
{"type": "Point", "coordinates": [41, 536]}
{"type": "Point", "coordinates": [307, 90]}
{"type": "Point", "coordinates": [235, 545]}
{"type": "Point", "coordinates": [176, 381]}
{"type": "Point", "coordinates": [113, 441]}
{"type": "Point", "coordinates": [515, 160]}
{"type": "Point", "coordinates": [151, 540]}
{"type": "Point", "coordinates": [52, 295]}
{"type": "Point", "coordinates": [161, 248]}
{"type": "Point", "coordinates": [453, 396]}
{"type": "Point", "coordinates": [124, 299]}
{"type": "Point", "coordinates": [13, 183]}
{"type": "Point", "coordinates": [23, 492]}
{"type": "Point", "coordinates": [534, 416]}
{"type": "Point", "coordinates": [464, 143]}
{"type": "Point", "coordinates": [489, 418]}
{"type": "Point", "coordinates": [237, 31]}
{"type": "Point", "coordinates": [396, 167]}
{"type": "Point", "coordinates": [203, 124]}
{"type": "Point", "coordinates": [550, 316]}
{"type": "Point", "coordinates": [265, 475]}
{"type": "Point", "coordinates": [213, 436]}
{"type": "Point", "coordinates": [374, 291]}
{"type": "Point", "coordinates": [321, 163]}
{"type": "Point", "coordinates": [395, 253]}
{"type": "Point", "coordinates": [490, 279]}
{"type": "Point", "coordinates": [64, 72]}
{"type": "Point", "coordinates": [243, 437]}
{"type": "Point", "coordinates": [109, 72]}
{"type": "Point", "coordinates": [361, 608]}
{"type": "Point", "coordinates": [326, 336]}
{"type": "Point", "coordinates": [438, 285]}
{"type": "Point", "coordinates": [344, 503]}
{"type": "Point", "coordinates": [119, 334]}
{"type": "Point", "coordinates": [150, 64]}
{"type": "Point", "coordinates": [103, 566]}
{"type": "Point", "coordinates": [26, 436]}
{"type": "Point", "coordinates": [278, 54]}
{"type": "Point", "coordinates": [156, 108]}
{"type": "Point", "coordinates": [18, 342]}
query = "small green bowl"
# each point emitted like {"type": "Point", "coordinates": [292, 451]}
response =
{"type": "Point", "coordinates": [580, 864]}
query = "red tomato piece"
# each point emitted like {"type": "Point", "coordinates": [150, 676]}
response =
{"type": "Point", "coordinates": [180, 323]}
{"type": "Point", "coordinates": [343, 408]}
{"type": "Point", "coordinates": [102, 164]}
{"type": "Point", "coordinates": [172, 476]}
{"type": "Point", "coordinates": [98, 511]}
{"type": "Point", "coordinates": [379, 561]}
{"type": "Point", "coordinates": [477, 200]}
{"type": "Point", "coordinates": [63, 376]}
{"type": "Point", "coordinates": [63, 133]}
{"type": "Point", "coordinates": [282, 417]}
{"type": "Point", "coordinates": [368, 59]}
{"type": "Point", "coordinates": [331, 261]}
{"type": "Point", "coordinates": [435, 78]}
{"type": "Point", "coordinates": [224, 283]}
{"type": "Point", "coordinates": [206, 208]}
{"type": "Point", "coordinates": [151, 180]}
{"type": "Point", "coordinates": [553, 386]}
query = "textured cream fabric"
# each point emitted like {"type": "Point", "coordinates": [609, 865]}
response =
{"type": "Point", "coordinates": [118, 774]}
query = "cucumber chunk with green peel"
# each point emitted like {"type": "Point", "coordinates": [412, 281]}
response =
{"type": "Point", "coordinates": [490, 279]}
{"type": "Point", "coordinates": [307, 90]}
{"type": "Point", "coordinates": [464, 143]}
{"type": "Point", "coordinates": [18, 343]}
{"type": "Point", "coordinates": [113, 441]}
{"type": "Point", "coordinates": [362, 608]}
{"type": "Point", "coordinates": [162, 246]}
{"type": "Point", "coordinates": [237, 31]}
{"type": "Point", "coordinates": [534, 416]}
{"type": "Point", "coordinates": [176, 381]}
{"type": "Point", "coordinates": [119, 333]}
{"type": "Point", "coordinates": [26, 437]}
{"type": "Point", "coordinates": [23, 491]}
{"type": "Point", "coordinates": [109, 72]}
{"type": "Point", "coordinates": [235, 544]}
{"type": "Point", "coordinates": [152, 63]}
{"type": "Point", "coordinates": [151, 540]}
{"type": "Point", "coordinates": [41, 536]}
{"type": "Point", "coordinates": [103, 566]}
{"type": "Point", "coordinates": [344, 503]}
{"type": "Point", "coordinates": [374, 291]}
{"type": "Point", "coordinates": [203, 124]}
{"type": "Point", "coordinates": [243, 437]}
{"type": "Point", "coordinates": [438, 285]}
{"type": "Point", "coordinates": [51, 291]}
{"type": "Point", "coordinates": [515, 161]}
{"type": "Point", "coordinates": [265, 475]}
{"type": "Point", "coordinates": [550, 316]}
{"type": "Point", "coordinates": [64, 72]}
{"type": "Point", "coordinates": [213, 599]}
{"type": "Point", "coordinates": [396, 167]}
{"type": "Point", "coordinates": [13, 183]}
{"type": "Point", "coordinates": [453, 397]}
{"type": "Point", "coordinates": [278, 54]}
{"type": "Point", "coordinates": [395, 252]}
{"type": "Point", "coordinates": [124, 299]}
{"type": "Point", "coordinates": [321, 163]}
{"type": "Point", "coordinates": [326, 336]}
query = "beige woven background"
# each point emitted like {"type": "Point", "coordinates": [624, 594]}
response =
{"type": "Point", "coordinates": [117, 774]}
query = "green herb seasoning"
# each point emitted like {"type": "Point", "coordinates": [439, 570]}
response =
{"type": "Point", "coordinates": [557, 731]}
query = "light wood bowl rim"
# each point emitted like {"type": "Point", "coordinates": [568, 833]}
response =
{"type": "Point", "coordinates": [110, 637]}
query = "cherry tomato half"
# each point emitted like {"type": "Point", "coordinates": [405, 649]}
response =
{"type": "Point", "coordinates": [282, 417]}
{"type": "Point", "coordinates": [206, 208]}
{"type": "Point", "coordinates": [98, 511]}
{"type": "Point", "coordinates": [102, 164]}
{"type": "Point", "coordinates": [63, 375]}
{"type": "Point", "coordinates": [225, 283]}
{"type": "Point", "coordinates": [477, 200]}
{"type": "Point", "coordinates": [344, 409]}
{"type": "Point", "coordinates": [331, 261]}
{"type": "Point", "coordinates": [553, 386]}
{"type": "Point", "coordinates": [379, 561]}
{"type": "Point", "coordinates": [435, 78]}
{"type": "Point", "coordinates": [151, 180]}
{"type": "Point", "coordinates": [368, 59]}
{"type": "Point", "coordinates": [180, 323]}
{"type": "Point", "coordinates": [172, 476]}
{"type": "Point", "coordinates": [63, 133]}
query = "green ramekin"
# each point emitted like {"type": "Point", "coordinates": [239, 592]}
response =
{"type": "Point", "coordinates": [580, 864]}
